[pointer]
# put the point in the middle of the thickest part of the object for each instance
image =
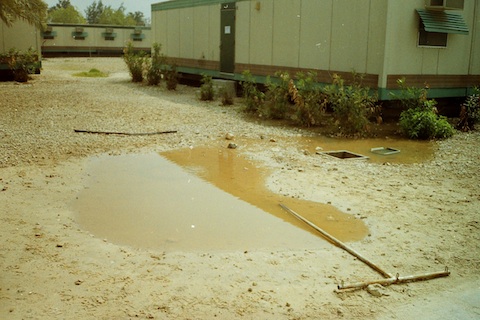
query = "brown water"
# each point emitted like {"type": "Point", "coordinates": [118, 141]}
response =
{"type": "Point", "coordinates": [234, 174]}
{"type": "Point", "coordinates": [148, 201]}
{"type": "Point", "coordinates": [411, 151]}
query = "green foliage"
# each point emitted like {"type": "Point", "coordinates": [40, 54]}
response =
{"type": "Point", "coordinates": [352, 104]}
{"type": "Point", "coordinates": [98, 13]}
{"type": "Point", "coordinates": [135, 61]}
{"type": "Point", "coordinates": [94, 11]}
{"type": "Point", "coordinates": [61, 4]}
{"type": "Point", "coordinates": [92, 73]}
{"type": "Point", "coordinates": [66, 15]}
{"type": "Point", "coordinates": [305, 102]}
{"type": "Point", "coordinates": [420, 119]}
{"type": "Point", "coordinates": [226, 96]}
{"type": "Point", "coordinates": [206, 89]}
{"type": "Point", "coordinates": [470, 111]}
{"type": "Point", "coordinates": [254, 98]}
{"type": "Point", "coordinates": [278, 100]}
{"type": "Point", "coordinates": [310, 102]}
{"type": "Point", "coordinates": [154, 65]}
{"type": "Point", "coordinates": [138, 17]}
{"type": "Point", "coordinates": [22, 64]}
{"type": "Point", "coordinates": [31, 11]}
{"type": "Point", "coordinates": [118, 16]}
{"type": "Point", "coordinates": [171, 76]}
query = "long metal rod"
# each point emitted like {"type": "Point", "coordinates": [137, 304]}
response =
{"type": "Point", "coordinates": [395, 280]}
{"type": "Point", "coordinates": [126, 133]}
{"type": "Point", "coordinates": [339, 243]}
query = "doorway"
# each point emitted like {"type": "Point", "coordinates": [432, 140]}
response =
{"type": "Point", "coordinates": [227, 38]}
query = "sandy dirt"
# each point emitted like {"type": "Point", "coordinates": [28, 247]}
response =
{"type": "Point", "coordinates": [422, 217]}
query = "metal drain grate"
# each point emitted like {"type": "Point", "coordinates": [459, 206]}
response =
{"type": "Point", "coordinates": [384, 151]}
{"type": "Point", "coordinates": [344, 154]}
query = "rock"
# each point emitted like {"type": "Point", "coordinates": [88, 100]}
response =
{"type": "Point", "coordinates": [375, 290]}
{"type": "Point", "coordinates": [229, 136]}
{"type": "Point", "coordinates": [232, 146]}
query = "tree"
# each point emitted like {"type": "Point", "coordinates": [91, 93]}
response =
{"type": "Point", "coordinates": [138, 16]}
{"type": "Point", "coordinates": [62, 4]}
{"type": "Point", "coordinates": [116, 17]}
{"type": "Point", "coordinates": [32, 11]}
{"type": "Point", "coordinates": [94, 11]}
{"type": "Point", "coordinates": [66, 15]}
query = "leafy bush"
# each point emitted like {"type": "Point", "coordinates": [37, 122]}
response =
{"type": "Point", "coordinates": [171, 76]}
{"type": "Point", "coordinates": [254, 97]}
{"type": "Point", "coordinates": [135, 62]}
{"type": "Point", "coordinates": [226, 96]}
{"type": "Point", "coordinates": [470, 111]}
{"type": "Point", "coordinates": [155, 65]}
{"type": "Point", "coordinates": [22, 64]}
{"type": "Point", "coordinates": [420, 120]}
{"type": "Point", "coordinates": [92, 73]}
{"type": "Point", "coordinates": [352, 104]}
{"type": "Point", "coordinates": [206, 89]}
{"type": "Point", "coordinates": [278, 100]}
{"type": "Point", "coordinates": [310, 102]}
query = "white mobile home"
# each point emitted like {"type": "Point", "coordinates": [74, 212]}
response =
{"type": "Point", "coordinates": [434, 42]}
{"type": "Point", "coordinates": [20, 36]}
{"type": "Point", "coordinates": [93, 40]}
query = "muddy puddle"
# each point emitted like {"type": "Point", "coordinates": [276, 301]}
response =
{"type": "Point", "coordinates": [198, 199]}
{"type": "Point", "coordinates": [410, 151]}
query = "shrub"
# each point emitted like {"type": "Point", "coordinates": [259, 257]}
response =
{"type": "Point", "coordinates": [253, 97]}
{"type": "Point", "coordinates": [206, 89]}
{"type": "Point", "coordinates": [352, 104]}
{"type": "Point", "coordinates": [22, 64]}
{"type": "Point", "coordinates": [310, 104]}
{"type": "Point", "coordinates": [226, 96]}
{"type": "Point", "coordinates": [277, 97]}
{"type": "Point", "coordinates": [155, 65]}
{"type": "Point", "coordinates": [92, 73]}
{"type": "Point", "coordinates": [171, 76]}
{"type": "Point", "coordinates": [470, 111]}
{"type": "Point", "coordinates": [135, 62]}
{"type": "Point", "coordinates": [420, 120]}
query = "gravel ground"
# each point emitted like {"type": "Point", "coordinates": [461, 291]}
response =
{"type": "Point", "coordinates": [422, 217]}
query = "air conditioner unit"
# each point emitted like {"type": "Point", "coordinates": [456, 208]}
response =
{"type": "Point", "coordinates": [109, 30]}
{"type": "Point", "coordinates": [444, 4]}
{"type": "Point", "coordinates": [79, 30]}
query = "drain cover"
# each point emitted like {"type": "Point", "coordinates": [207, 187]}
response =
{"type": "Point", "coordinates": [344, 154]}
{"type": "Point", "coordinates": [384, 151]}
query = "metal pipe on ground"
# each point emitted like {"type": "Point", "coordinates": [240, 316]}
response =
{"type": "Point", "coordinates": [339, 243]}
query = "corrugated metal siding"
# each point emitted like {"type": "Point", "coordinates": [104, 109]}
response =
{"type": "Point", "coordinates": [443, 22]}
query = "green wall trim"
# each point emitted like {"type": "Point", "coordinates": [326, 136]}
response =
{"type": "Point", "coordinates": [383, 93]}
{"type": "Point", "coordinates": [386, 94]}
{"type": "Point", "coordinates": [177, 4]}
{"type": "Point", "coordinates": [114, 26]}
{"type": "Point", "coordinates": [105, 34]}
{"type": "Point", "coordinates": [79, 34]}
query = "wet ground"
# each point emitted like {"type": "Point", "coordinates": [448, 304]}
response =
{"type": "Point", "coordinates": [213, 198]}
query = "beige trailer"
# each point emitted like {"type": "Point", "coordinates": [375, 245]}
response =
{"type": "Point", "coordinates": [433, 42]}
{"type": "Point", "coordinates": [93, 40]}
{"type": "Point", "coordinates": [21, 36]}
